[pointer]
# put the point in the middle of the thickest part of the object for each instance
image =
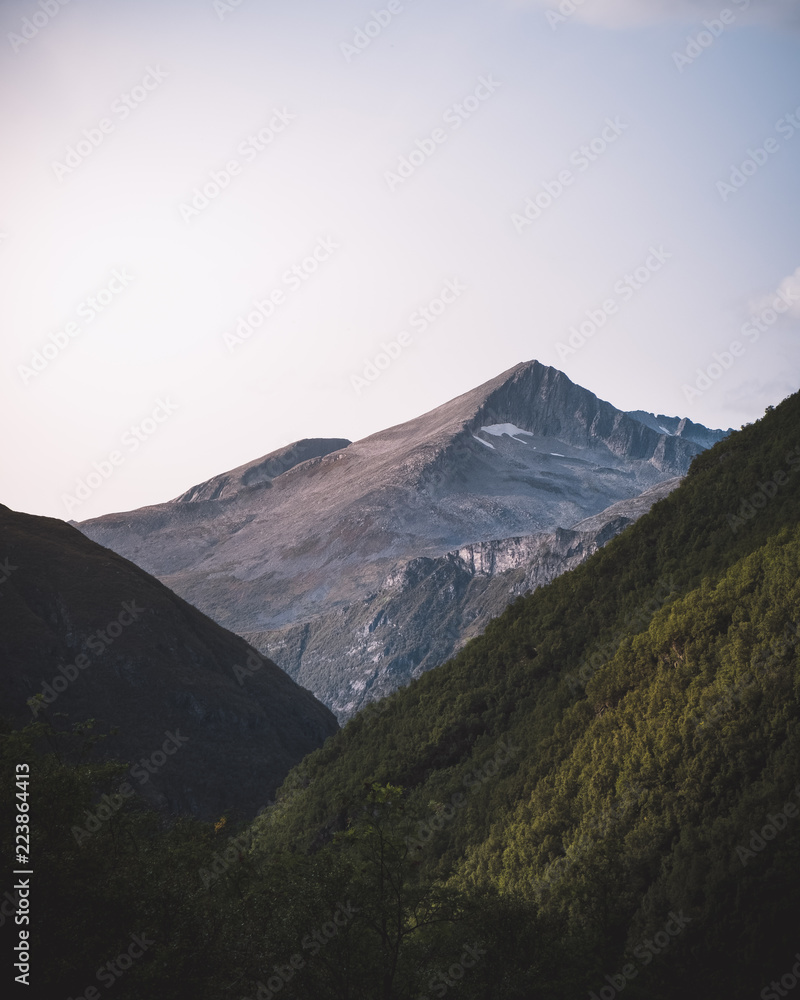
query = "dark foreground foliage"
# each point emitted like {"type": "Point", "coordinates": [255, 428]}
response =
{"type": "Point", "coordinates": [600, 794]}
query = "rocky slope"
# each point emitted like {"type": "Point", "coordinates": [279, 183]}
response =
{"type": "Point", "coordinates": [261, 472]}
{"type": "Point", "coordinates": [427, 608]}
{"type": "Point", "coordinates": [680, 427]}
{"type": "Point", "coordinates": [524, 454]}
{"type": "Point", "coordinates": [208, 725]}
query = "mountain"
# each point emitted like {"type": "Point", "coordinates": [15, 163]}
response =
{"type": "Point", "coordinates": [602, 788]}
{"type": "Point", "coordinates": [217, 725]}
{"type": "Point", "coordinates": [598, 795]}
{"type": "Point", "coordinates": [525, 454]}
{"type": "Point", "coordinates": [261, 472]}
{"type": "Point", "coordinates": [680, 427]}
{"type": "Point", "coordinates": [428, 608]}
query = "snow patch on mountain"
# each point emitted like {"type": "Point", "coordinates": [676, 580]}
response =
{"type": "Point", "coordinates": [498, 430]}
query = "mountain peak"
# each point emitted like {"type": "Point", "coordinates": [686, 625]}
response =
{"type": "Point", "coordinates": [321, 523]}
{"type": "Point", "coordinates": [539, 401]}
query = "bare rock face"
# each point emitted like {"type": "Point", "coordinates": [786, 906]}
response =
{"type": "Point", "coordinates": [261, 472]}
{"type": "Point", "coordinates": [519, 457]}
{"type": "Point", "coordinates": [208, 725]}
{"type": "Point", "coordinates": [427, 608]}
{"type": "Point", "coordinates": [680, 427]}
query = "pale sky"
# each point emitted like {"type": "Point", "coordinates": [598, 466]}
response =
{"type": "Point", "coordinates": [420, 195]}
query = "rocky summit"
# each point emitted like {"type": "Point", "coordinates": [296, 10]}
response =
{"type": "Point", "coordinates": [359, 565]}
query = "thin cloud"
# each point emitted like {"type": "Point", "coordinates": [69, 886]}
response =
{"type": "Point", "coordinates": [788, 291]}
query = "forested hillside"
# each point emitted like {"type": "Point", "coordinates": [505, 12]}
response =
{"type": "Point", "coordinates": [600, 794]}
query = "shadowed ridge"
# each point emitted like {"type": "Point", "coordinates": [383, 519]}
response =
{"type": "Point", "coordinates": [103, 639]}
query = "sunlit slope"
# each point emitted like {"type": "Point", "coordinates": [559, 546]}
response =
{"type": "Point", "coordinates": [654, 696]}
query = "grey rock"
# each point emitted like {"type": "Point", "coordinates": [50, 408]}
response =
{"type": "Point", "coordinates": [299, 567]}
